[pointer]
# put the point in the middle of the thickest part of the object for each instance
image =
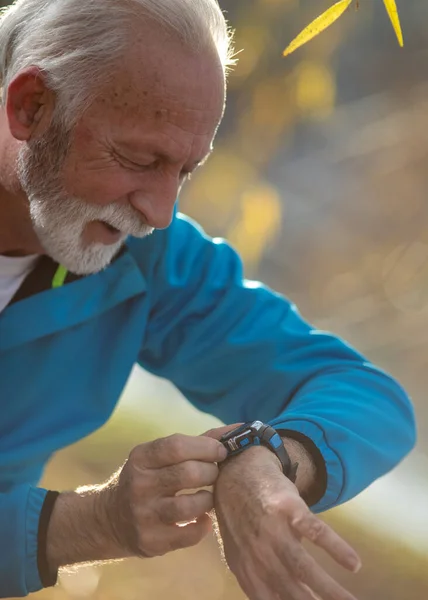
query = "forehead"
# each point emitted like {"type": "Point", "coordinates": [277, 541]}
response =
{"type": "Point", "coordinates": [165, 93]}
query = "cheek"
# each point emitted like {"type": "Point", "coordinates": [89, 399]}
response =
{"type": "Point", "coordinates": [91, 174]}
{"type": "Point", "coordinates": [99, 186]}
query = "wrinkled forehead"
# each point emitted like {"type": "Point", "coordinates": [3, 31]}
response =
{"type": "Point", "coordinates": [162, 81]}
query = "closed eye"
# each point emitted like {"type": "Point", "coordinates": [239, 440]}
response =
{"type": "Point", "coordinates": [130, 164]}
{"type": "Point", "coordinates": [154, 164]}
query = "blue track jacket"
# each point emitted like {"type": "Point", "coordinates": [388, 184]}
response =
{"type": "Point", "coordinates": [177, 304]}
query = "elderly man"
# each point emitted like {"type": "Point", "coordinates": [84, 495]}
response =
{"type": "Point", "coordinates": [108, 107]}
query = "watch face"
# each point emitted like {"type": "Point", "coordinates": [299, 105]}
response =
{"type": "Point", "coordinates": [240, 441]}
{"type": "Point", "coordinates": [244, 435]}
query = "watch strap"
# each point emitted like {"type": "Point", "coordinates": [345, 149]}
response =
{"type": "Point", "coordinates": [257, 433]}
{"type": "Point", "coordinates": [271, 439]}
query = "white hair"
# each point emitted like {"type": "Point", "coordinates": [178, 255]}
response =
{"type": "Point", "coordinates": [75, 43]}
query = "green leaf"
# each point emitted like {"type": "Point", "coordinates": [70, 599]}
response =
{"type": "Point", "coordinates": [391, 9]}
{"type": "Point", "coordinates": [322, 22]}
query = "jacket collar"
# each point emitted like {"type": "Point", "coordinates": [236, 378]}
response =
{"type": "Point", "coordinates": [41, 277]}
{"type": "Point", "coordinates": [37, 310]}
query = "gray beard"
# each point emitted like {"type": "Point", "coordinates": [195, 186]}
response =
{"type": "Point", "coordinates": [58, 219]}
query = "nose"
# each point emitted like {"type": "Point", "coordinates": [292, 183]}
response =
{"type": "Point", "coordinates": [156, 206]}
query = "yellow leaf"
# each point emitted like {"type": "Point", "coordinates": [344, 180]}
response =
{"type": "Point", "coordinates": [322, 22]}
{"type": "Point", "coordinates": [391, 9]}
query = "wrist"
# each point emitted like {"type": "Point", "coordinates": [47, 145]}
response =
{"type": "Point", "coordinates": [306, 472]}
{"type": "Point", "coordinates": [257, 433]}
{"type": "Point", "coordinates": [255, 453]}
{"type": "Point", "coordinates": [300, 460]}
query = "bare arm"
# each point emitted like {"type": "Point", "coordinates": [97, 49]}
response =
{"type": "Point", "coordinates": [77, 530]}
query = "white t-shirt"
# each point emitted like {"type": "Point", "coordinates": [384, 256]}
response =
{"type": "Point", "coordinates": [13, 271]}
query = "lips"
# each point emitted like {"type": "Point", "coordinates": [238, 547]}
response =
{"type": "Point", "coordinates": [102, 233]}
{"type": "Point", "coordinates": [110, 227]}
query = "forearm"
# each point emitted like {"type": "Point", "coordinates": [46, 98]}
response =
{"type": "Point", "coordinates": [77, 530]}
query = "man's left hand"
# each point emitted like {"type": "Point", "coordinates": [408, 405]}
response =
{"type": "Point", "coordinates": [262, 521]}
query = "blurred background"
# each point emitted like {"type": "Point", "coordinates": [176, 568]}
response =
{"type": "Point", "coordinates": [320, 180]}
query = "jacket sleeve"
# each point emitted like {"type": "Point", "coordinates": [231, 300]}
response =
{"type": "Point", "coordinates": [20, 510]}
{"type": "Point", "coordinates": [240, 351]}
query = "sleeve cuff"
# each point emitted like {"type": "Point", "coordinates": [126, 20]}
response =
{"type": "Point", "coordinates": [35, 500]}
{"type": "Point", "coordinates": [48, 577]}
{"type": "Point", "coordinates": [334, 467]}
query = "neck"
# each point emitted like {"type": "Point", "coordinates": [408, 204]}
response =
{"type": "Point", "coordinates": [17, 236]}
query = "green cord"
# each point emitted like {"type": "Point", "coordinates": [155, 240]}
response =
{"type": "Point", "coordinates": [59, 277]}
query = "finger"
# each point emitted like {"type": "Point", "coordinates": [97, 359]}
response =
{"type": "Point", "coordinates": [253, 586]}
{"type": "Point", "coordinates": [305, 569]}
{"type": "Point", "coordinates": [295, 590]}
{"type": "Point", "coordinates": [179, 448]}
{"type": "Point", "coordinates": [218, 432]}
{"type": "Point", "coordinates": [205, 522]}
{"type": "Point", "coordinates": [298, 591]}
{"type": "Point", "coordinates": [286, 587]}
{"type": "Point", "coordinates": [185, 536]}
{"type": "Point", "coordinates": [259, 591]}
{"type": "Point", "coordinates": [186, 476]}
{"type": "Point", "coordinates": [185, 508]}
{"type": "Point", "coordinates": [166, 538]}
{"type": "Point", "coordinates": [320, 534]}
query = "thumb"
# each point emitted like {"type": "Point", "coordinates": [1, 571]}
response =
{"type": "Point", "coordinates": [217, 432]}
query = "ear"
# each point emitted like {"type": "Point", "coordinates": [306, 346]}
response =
{"type": "Point", "coordinates": [29, 104]}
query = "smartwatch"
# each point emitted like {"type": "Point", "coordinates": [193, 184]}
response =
{"type": "Point", "coordinates": [256, 433]}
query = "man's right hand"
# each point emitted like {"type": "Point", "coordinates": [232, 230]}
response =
{"type": "Point", "coordinates": [141, 501]}
{"type": "Point", "coordinates": [137, 512]}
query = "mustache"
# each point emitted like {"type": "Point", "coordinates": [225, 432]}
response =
{"type": "Point", "coordinates": [124, 218]}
